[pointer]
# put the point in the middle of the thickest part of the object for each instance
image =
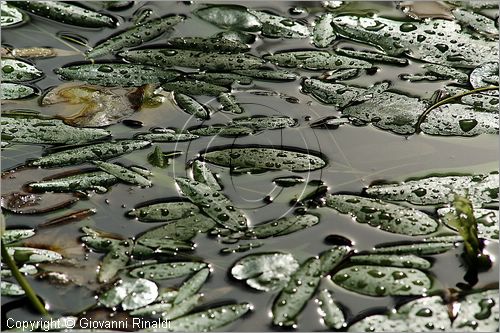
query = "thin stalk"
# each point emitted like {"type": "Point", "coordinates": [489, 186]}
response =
{"type": "Point", "coordinates": [30, 293]}
{"type": "Point", "coordinates": [422, 117]}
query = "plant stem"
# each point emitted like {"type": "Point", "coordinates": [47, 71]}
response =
{"type": "Point", "coordinates": [422, 117]}
{"type": "Point", "coordinates": [30, 293]}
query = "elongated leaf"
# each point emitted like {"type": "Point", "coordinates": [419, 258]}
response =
{"type": "Point", "coordinates": [440, 189]}
{"type": "Point", "coordinates": [478, 312]}
{"type": "Point", "coordinates": [382, 281]}
{"type": "Point", "coordinates": [282, 226]}
{"type": "Point", "coordinates": [278, 26]}
{"type": "Point", "coordinates": [66, 13]}
{"type": "Point", "coordinates": [130, 293]}
{"type": "Point", "coordinates": [230, 17]}
{"type": "Point", "coordinates": [210, 319]}
{"type": "Point", "coordinates": [241, 247]}
{"type": "Point", "coordinates": [202, 174]}
{"type": "Point", "coordinates": [220, 79]}
{"type": "Point", "coordinates": [123, 173]}
{"type": "Point", "coordinates": [214, 204]}
{"type": "Point", "coordinates": [135, 36]}
{"type": "Point", "coordinates": [264, 158]}
{"type": "Point", "coordinates": [29, 255]}
{"type": "Point", "coordinates": [331, 93]}
{"type": "Point", "coordinates": [25, 269]}
{"type": "Point", "coordinates": [167, 270]}
{"type": "Point", "coordinates": [212, 44]}
{"type": "Point", "coordinates": [405, 260]}
{"type": "Point", "coordinates": [99, 243]}
{"type": "Point", "coordinates": [194, 59]}
{"type": "Point", "coordinates": [372, 56]}
{"type": "Point", "coordinates": [167, 135]}
{"type": "Point", "coordinates": [229, 103]}
{"type": "Point", "coordinates": [478, 22]}
{"type": "Point", "coordinates": [98, 180]}
{"type": "Point", "coordinates": [487, 221]}
{"type": "Point", "coordinates": [101, 151]}
{"type": "Point", "coordinates": [191, 106]}
{"type": "Point", "coordinates": [259, 123]}
{"type": "Point", "coordinates": [14, 235]}
{"type": "Point", "coordinates": [167, 211]}
{"type": "Point", "coordinates": [167, 244]}
{"type": "Point", "coordinates": [315, 60]}
{"type": "Point", "coordinates": [332, 257]}
{"type": "Point", "coordinates": [10, 15]}
{"type": "Point", "coordinates": [192, 285]}
{"type": "Point", "coordinates": [9, 288]}
{"type": "Point", "coordinates": [323, 32]}
{"type": "Point", "coordinates": [15, 91]}
{"type": "Point", "coordinates": [114, 74]}
{"type": "Point", "coordinates": [330, 312]}
{"type": "Point", "coordinates": [416, 248]}
{"type": "Point", "coordinates": [288, 181]}
{"type": "Point", "coordinates": [230, 130]}
{"type": "Point", "coordinates": [194, 88]}
{"type": "Point", "coordinates": [265, 271]}
{"type": "Point", "coordinates": [181, 229]}
{"type": "Point", "coordinates": [386, 216]}
{"type": "Point", "coordinates": [446, 72]}
{"type": "Point", "coordinates": [481, 101]}
{"type": "Point", "coordinates": [18, 71]}
{"type": "Point", "coordinates": [180, 309]}
{"type": "Point", "coordinates": [300, 288]}
{"type": "Point", "coordinates": [151, 309]}
{"type": "Point", "coordinates": [116, 259]}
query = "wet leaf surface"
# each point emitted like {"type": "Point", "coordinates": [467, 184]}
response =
{"type": "Point", "coordinates": [282, 226]}
{"type": "Point", "coordinates": [182, 229]}
{"type": "Point", "coordinates": [167, 211]}
{"type": "Point", "coordinates": [212, 44]}
{"type": "Point", "coordinates": [487, 221]}
{"type": "Point", "coordinates": [10, 15]}
{"type": "Point", "coordinates": [115, 260]}
{"type": "Point", "coordinates": [11, 289]}
{"type": "Point", "coordinates": [167, 270]}
{"type": "Point", "coordinates": [15, 91]}
{"type": "Point", "coordinates": [315, 60]}
{"type": "Point", "coordinates": [323, 32]}
{"type": "Point", "coordinates": [191, 106]}
{"type": "Point", "coordinates": [331, 313]}
{"type": "Point", "coordinates": [478, 312]}
{"type": "Point", "coordinates": [19, 71]}
{"type": "Point", "coordinates": [130, 294]}
{"type": "Point", "coordinates": [230, 16]}
{"type": "Point", "coordinates": [275, 26]}
{"type": "Point", "coordinates": [405, 260]}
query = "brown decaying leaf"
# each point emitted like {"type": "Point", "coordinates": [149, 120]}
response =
{"type": "Point", "coordinates": [36, 52]}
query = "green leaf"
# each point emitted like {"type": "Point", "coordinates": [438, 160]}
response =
{"type": "Point", "coordinates": [220, 79]}
{"type": "Point", "coordinates": [29, 255]}
{"type": "Point", "coordinates": [288, 181]}
{"type": "Point", "coordinates": [100, 151]}
{"type": "Point", "coordinates": [405, 260]}
{"type": "Point", "coordinates": [135, 36]}
{"type": "Point", "coordinates": [167, 270]}
{"type": "Point", "coordinates": [182, 229]}
{"type": "Point", "coordinates": [282, 226]}
{"type": "Point", "coordinates": [446, 72]}
{"type": "Point", "coordinates": [371, 56]}
{"type": "Point", "coordinates": [123, 173]}
{"type": "Point", "coordinates": [427, 40]}
{"type": "Point", "coordinates": [214, 204]}
{"type": "Point", "coordinates": [191, 106]}
{"type": "Point", "coordinates": [433, 190]}
{"type": "Point", "coordinates": [478, 312]}
{"type": "Point", "coordinates": [259, 123]}
{"type": "Point", "coordinates": [230, 130]}
{"type": "Point", "coordinates": [167, 135]}
{"type": "Point", "coordinates": [315, 60]}
{"type": "Point", "coordinates": [195, 59]}
{"type": "Point", "coordinates": [383, 281]}
{"type": "Point", "coordinates": [274, 75]}
{"type": "Point", "coordinates": [157, 158]}
{"type": "Point", "coordinates": [481, 101]}
{"type": "Point", "coordinates": [265, 271]}
{"type": "Point", "coordinates": [14, 235]}
{"type": "Point", "coordinates": [210, 319]}
{"type": "Point", "coordinates": [241, 247]}
{"type": "Point", "coordinates": [229, 103]}
{"type": "Point", "coordinates": [332, 315]}
{"type": "Point", "coordinates": [332, 257]}
{"type": "Point", "coordinates": [98, 243]}
{"type": "Point", "coordinates": [115, 260]}
{"type": "Point", "coordinates": [9, 288]}
{"type": "Point", "coordinates": [131, 293]}
{"type": "Point", "coordinates": [66, 13]}
{"type": "Point", "coordinates": [323, 32]}
{"type": "Point", "coordinates": [167, 211]}
{"type": "Point", "coordinates": [264, 158]}
{"type": "Point", "coordinates": [116, 75]}
{"type": "Point", "coordinates": [484, 76]}
{"type": "Point", "coordinates": [10, 15]}
{"type": "Point", "coordinates": [211, 44]}
{"type": "Point", "coordinates": [98, 181]}
{"type": "Point", "coordinates": [203, 174]}
{"type": "Point", "coordinates": [174, 245]}
{"type": "Point", "coordinates": [25, 269]}
{"type": "Point", "coordinates": [275, 26]}
{"type": "Point", "coordinates": [300, 288]}
{"type": "Point", "coordinates": [477, 22]}
{"type": "Point", "coordinates": [237, 36]}
{"type": "Point", "coordinates": [15, 91]}
{"type": "Point", "coordinates": [191, 286]}
{"type": "Point", "coordinates": [47, 131]}
{"type": "Point", "coordinates": [337, 94]}
{"type": "Point", "coordinates": [194, 88]}
{"type": "Point", "coordinates": [383, 215]}
{"type": "Point", "coordinates": [18, 71]}
{"type": "Point", "coordinates": [487, 221]}
{"type": "Point", "coordinates": [230, 17]}
{"type": "Point", "coordinates": [416, 248]}
{"type": "Point", "coordinates": [180, 309]}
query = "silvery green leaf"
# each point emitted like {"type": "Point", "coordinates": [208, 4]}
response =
{"type": "Point", "coordinates": [100, 151]}
{"type": "Point", "coordinates": [265, 271]}
{"type": "Point", "coordinates": [98, 181]}
{"type": "Point", "coordinates": [167, 135]}
{"type": "Point", "coordinates": [98, 243]}
{"type": "Point", "coordinates": [210, 319]}
{"type": "Point", "coordinates": [47, 131]}
{"type": "Point", "coordinates": [278, 26]}
{"type": "Point", "coordinates": [229, 103]}
{"type": "Point", "coordinates": [18, 71]}
{"type": "Point", "coordinates": [151, 309]}
{"type": "Point", "coordinates": [288, 181]}
{"type": "Point", "coordinates": [115, 260]}
{"type": "Point", "coordinates": [259, 123]}
{"type": "Point", "coordinates": [323, 32]}
{"type": "Point", "coordinates": [15, 91]}
{"type": "Point", "coordinates": [332, 315]}
{"type": "Point", "coordinates": [230, 17]}
{"type": "Point", "coordinates": [11, 289]}
{"type": "Point", "coordinates": [278, 75]}
{"type": "Point", "coordinates": [117, 75]}
{"type": "Point", "coordinates": [182, 229]}
{"type": "Point", "coordinates": [372, 56]}
{"type": "Point", "coordinates": [192, 285]}
{"type": "Point", "coordinates": [424, 248]}
{"type": "Point", "coordinates": [294, 296]}
{"type": "Point", "coordinates": [478, 312]}
{"type": "Point", "coordinates": [215, 204]}
{"type": "Point", "coordinates": [332, 257]}
{"type": "Point", "coordinates": [180, 309]}
{"type": "Point", "coordinates": [195, 59]}
{"type": "Point", "coordinates": [404, 260]}
{"type": "Point", "coordinates": [242, 247]}
{"type": "Point", "coordinates": [14, 235]}
{"type": "Point", "coordinates": [487, 221]}
{"type": "Point", "coordinates": [191, 106]}
{"type": "Point", "coordinates": [131, 293]}
{"type": "Point", "coordinates": [383, 215]}
{"type": "Point", "coordinates": [25, 269]}
{"type": "Point", "coordinates": [315, 60]}
{"type": "Point", "coordinates": [167, 244]}
{"type": "Point", "coordinates": [66, 13]}
{"type": "Point", "coordinates": [426, 40]}
{"type": "Point", "coordinates": [203, 174]}
{"type": "Point", "coordinates": [135, 36]}
{"type": "Point", "coordinates": [446, 72]}
{"type": "Point", "coordinates": [478, 22]}
{"type": "Point", "coordinates": [264, 158]}
{"type": "Point", "coordinates": [282, 226]}
{"type": "Point", "coordinates": [480, 189]}
{"type": "Point", "coordinates": [230, 130]}
{"type": "Point", "coordinates": [123, 174]}
{"type": "Point", "coordinates": [337, 94]}
{"type": "Point", "coordinates": [167, 270]}
{"type": "Point", "coordinates": [10, 15]}
{"type": "Point", "coordinates": [212, 44]}
{"type": "Point", "coordinates": [383, 281]}
{"type": "Point", "coordinates": [237, 36]}
{"type": "Point", "coordinates": [29, 255]}
{"type": "Point", "coordinates": [194, 88]}
{"type": "Point", "coordinates": [475, 5]}
{"type": "Point", "coordinates": [167, 211]}
{"type": "Point", "coordinates": [220, 79]}
{"type": "Point", "coordinates": [484, 76]}
{"type": "Point", "coordinates": [482, 101]}
{"type": "Point", "coordinates": [340, 74]}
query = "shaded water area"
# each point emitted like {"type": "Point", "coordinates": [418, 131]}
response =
{"type": "Point", "coordinates": [356, 156]}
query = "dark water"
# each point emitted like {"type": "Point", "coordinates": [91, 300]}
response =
{"type": "Point", "coordinates": [357, 157]}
